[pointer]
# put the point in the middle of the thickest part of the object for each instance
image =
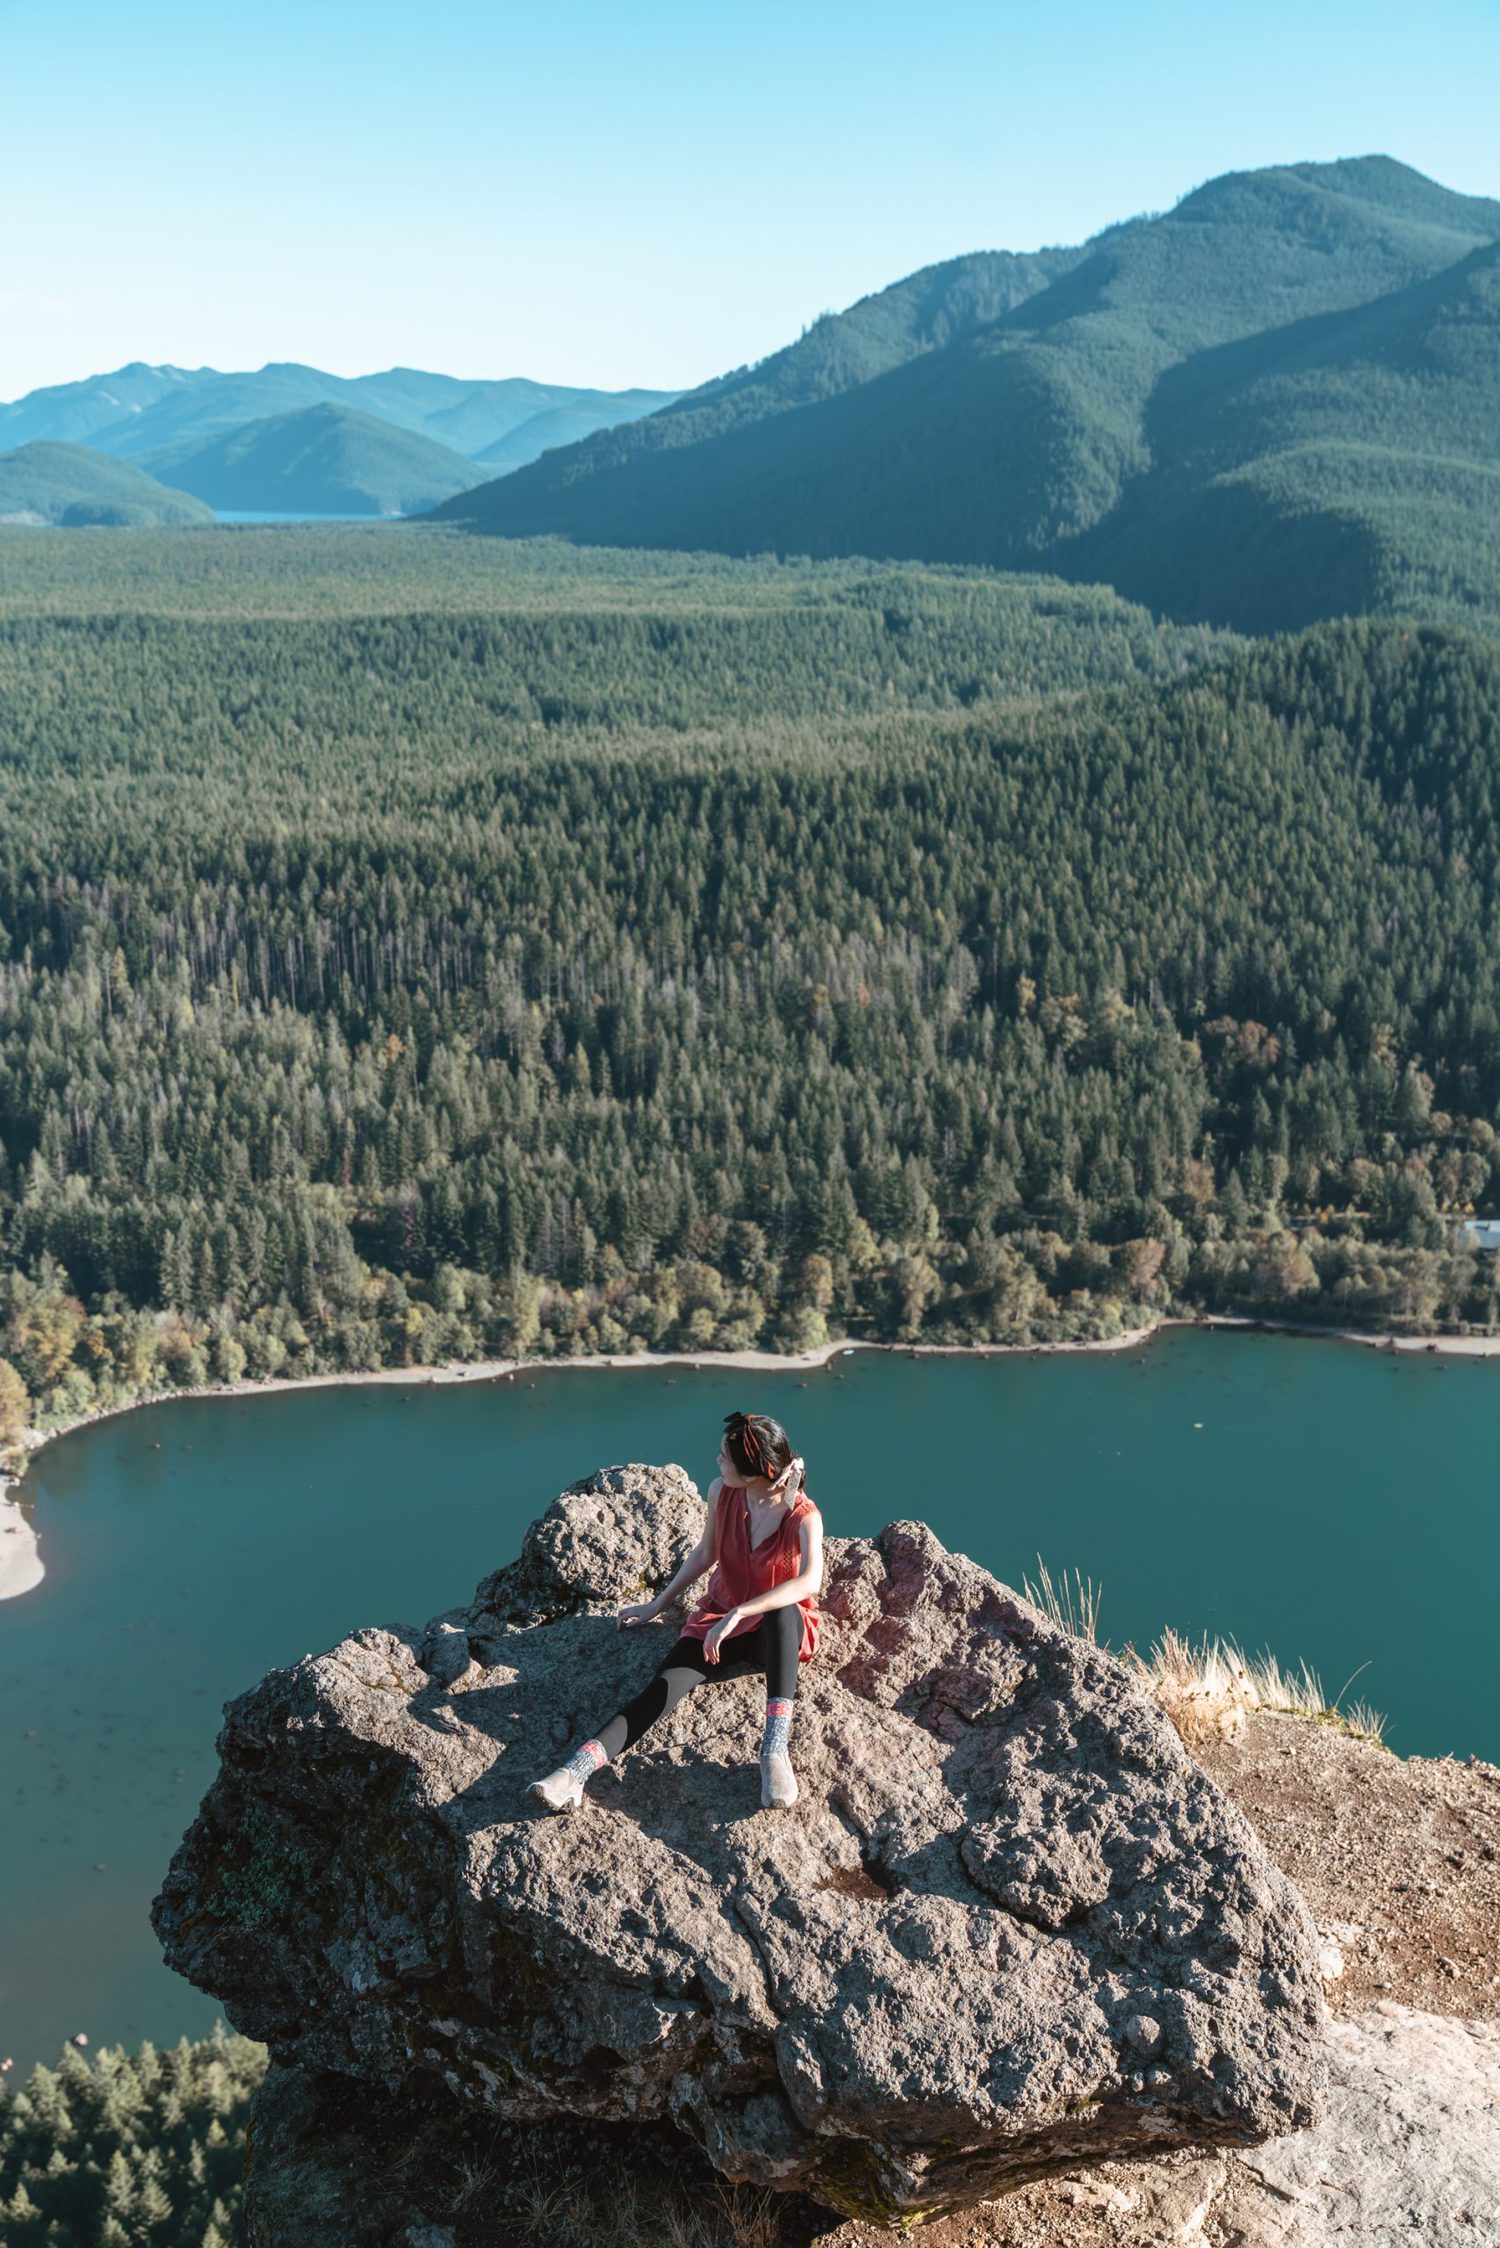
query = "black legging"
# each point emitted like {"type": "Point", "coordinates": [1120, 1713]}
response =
{"type": "Point", "coordinates": [772, 1646]}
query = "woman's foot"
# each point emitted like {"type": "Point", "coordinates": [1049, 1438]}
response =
{"type": "Point", "coordinates": [778, 1782]}
{"type": "Point", "coordinates": [561, 1790]}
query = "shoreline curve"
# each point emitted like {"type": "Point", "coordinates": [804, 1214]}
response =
{"type": "Point", "coordinates": [22, 1568]}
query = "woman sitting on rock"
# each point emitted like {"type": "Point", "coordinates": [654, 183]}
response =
{"type": "Point", "coordinates": [764, 1542]}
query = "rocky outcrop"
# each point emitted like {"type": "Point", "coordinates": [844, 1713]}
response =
{"type": "Point", "coordinates": [1409, 2147]}
{"type": "Point", "coordinates": [1408, 2151]}
{"type": "Point", "coordinates": [1009, 1929]}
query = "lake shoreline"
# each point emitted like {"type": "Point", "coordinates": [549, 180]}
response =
{"type": "Point", "coordinates": [21, 1566]}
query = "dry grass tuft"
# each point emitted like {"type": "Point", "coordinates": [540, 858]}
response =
{"type": "Point", "coordinates": [1072, 1607]}
{"type": "Point", "coordinates": [1207, 1688]}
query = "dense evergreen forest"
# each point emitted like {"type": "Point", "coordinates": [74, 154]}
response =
{"type": "Point", "coordinates": [117, 2149]}
{"type": "Point", "coordinates": [653, 953]}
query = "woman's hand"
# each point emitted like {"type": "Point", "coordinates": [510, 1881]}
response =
{"type": "Point", "coordinates": [789, 1482]}
{"type": "Point", "coordinates": [717, 1633]}
{"type": "Point", "coordinates": [644, 1612]}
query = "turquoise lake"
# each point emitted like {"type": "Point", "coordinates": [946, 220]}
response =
{"type": "Point", "coordinates": [1336, 1506]}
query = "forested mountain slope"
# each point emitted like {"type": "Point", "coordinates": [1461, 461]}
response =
{"type": "Point", "coordinates": [319, 460]}
{"type": "Point", "coordinates": [552, 426]}
{"type": "Point", "coordinates": [64, 486]}
{"type": "Point", "coordinates": [840, 352]}
{"type": "Point", "coordinates": [729, 957]}
{"type": "Point", "coordinates": [1347, 463]}
{"type": "Point", "coordinates": [1191, 382]}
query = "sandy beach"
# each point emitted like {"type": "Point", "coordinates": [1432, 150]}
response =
{"type": "Point", "coordinates": [22, 1568]}
{"type": "Point", "coordinates": [20, 1561]}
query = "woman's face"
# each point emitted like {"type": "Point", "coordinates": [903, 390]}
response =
{"type": "Point", "coordinates": [730, 1472]}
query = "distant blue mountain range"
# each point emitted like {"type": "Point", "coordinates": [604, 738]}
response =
{"type": "Point", "coordinates": [290, 438]}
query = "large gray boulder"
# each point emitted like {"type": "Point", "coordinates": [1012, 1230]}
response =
{"type": "Point", "coordinates": [1010, 1928]}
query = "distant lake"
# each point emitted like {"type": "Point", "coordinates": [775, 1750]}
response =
{"type": "Point", "coordinates": [1336, 1505]}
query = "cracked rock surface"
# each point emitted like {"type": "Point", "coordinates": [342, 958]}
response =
{"type": "Point", "coordinates": [1009, 1929]}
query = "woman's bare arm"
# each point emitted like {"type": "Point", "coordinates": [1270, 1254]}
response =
{"type": "Point", "coordinates": [702, 1558]}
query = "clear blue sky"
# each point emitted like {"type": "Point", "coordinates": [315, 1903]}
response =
{"type": "Point", "coordinates": [615, 194]}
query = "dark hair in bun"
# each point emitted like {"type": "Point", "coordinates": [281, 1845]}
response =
{"type": "Point", "coordinates": [756, 1444]}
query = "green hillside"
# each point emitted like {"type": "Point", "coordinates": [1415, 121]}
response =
{"type": "Point", "coordinates": [837, 354]}
{"type": "Point", "coordinates": [484, 422]}
{"type": "Point", "coordinates": [676, 953]}
{"type": "Point", "coordinates": [1347, 463]}
{"type": "Point", "coordinates": [566, 425]}
{"type": "Point", "coordinates": [67, 485]}
{"type": "Point", "coordinates": [1189, 386]}
{"type": "Point", "coordinates": [319, 460]}
{"type": "Point", "coordinates": [216, 405]}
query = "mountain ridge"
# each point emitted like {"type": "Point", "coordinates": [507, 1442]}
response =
{"type": "Point", "coordinates": [323, 459]}
{"type": "Point", "coordinates": [1028, 435]}
{"type": "Point", "coordinates": [138, 408]}
{"type": "Point", "coordinates": [55, 485]}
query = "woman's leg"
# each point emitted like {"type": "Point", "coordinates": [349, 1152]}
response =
{"type": "Point", "coordinates": [771, 1649]}
{"type": "Point", "coordinates": [784, 1647]}
{"type": "Point", "coordinates": [778, 1784]}
{"type": "Point", "coordinates": [679, 1674]}
{"type": "Point", "coordinates": [684, 1667]}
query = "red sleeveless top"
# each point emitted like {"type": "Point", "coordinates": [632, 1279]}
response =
{"type": "Point", "coordinates": [742, 1570]}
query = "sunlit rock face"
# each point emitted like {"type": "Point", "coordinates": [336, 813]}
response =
{"type": "Point", "coordinates": [1008, 1928]}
